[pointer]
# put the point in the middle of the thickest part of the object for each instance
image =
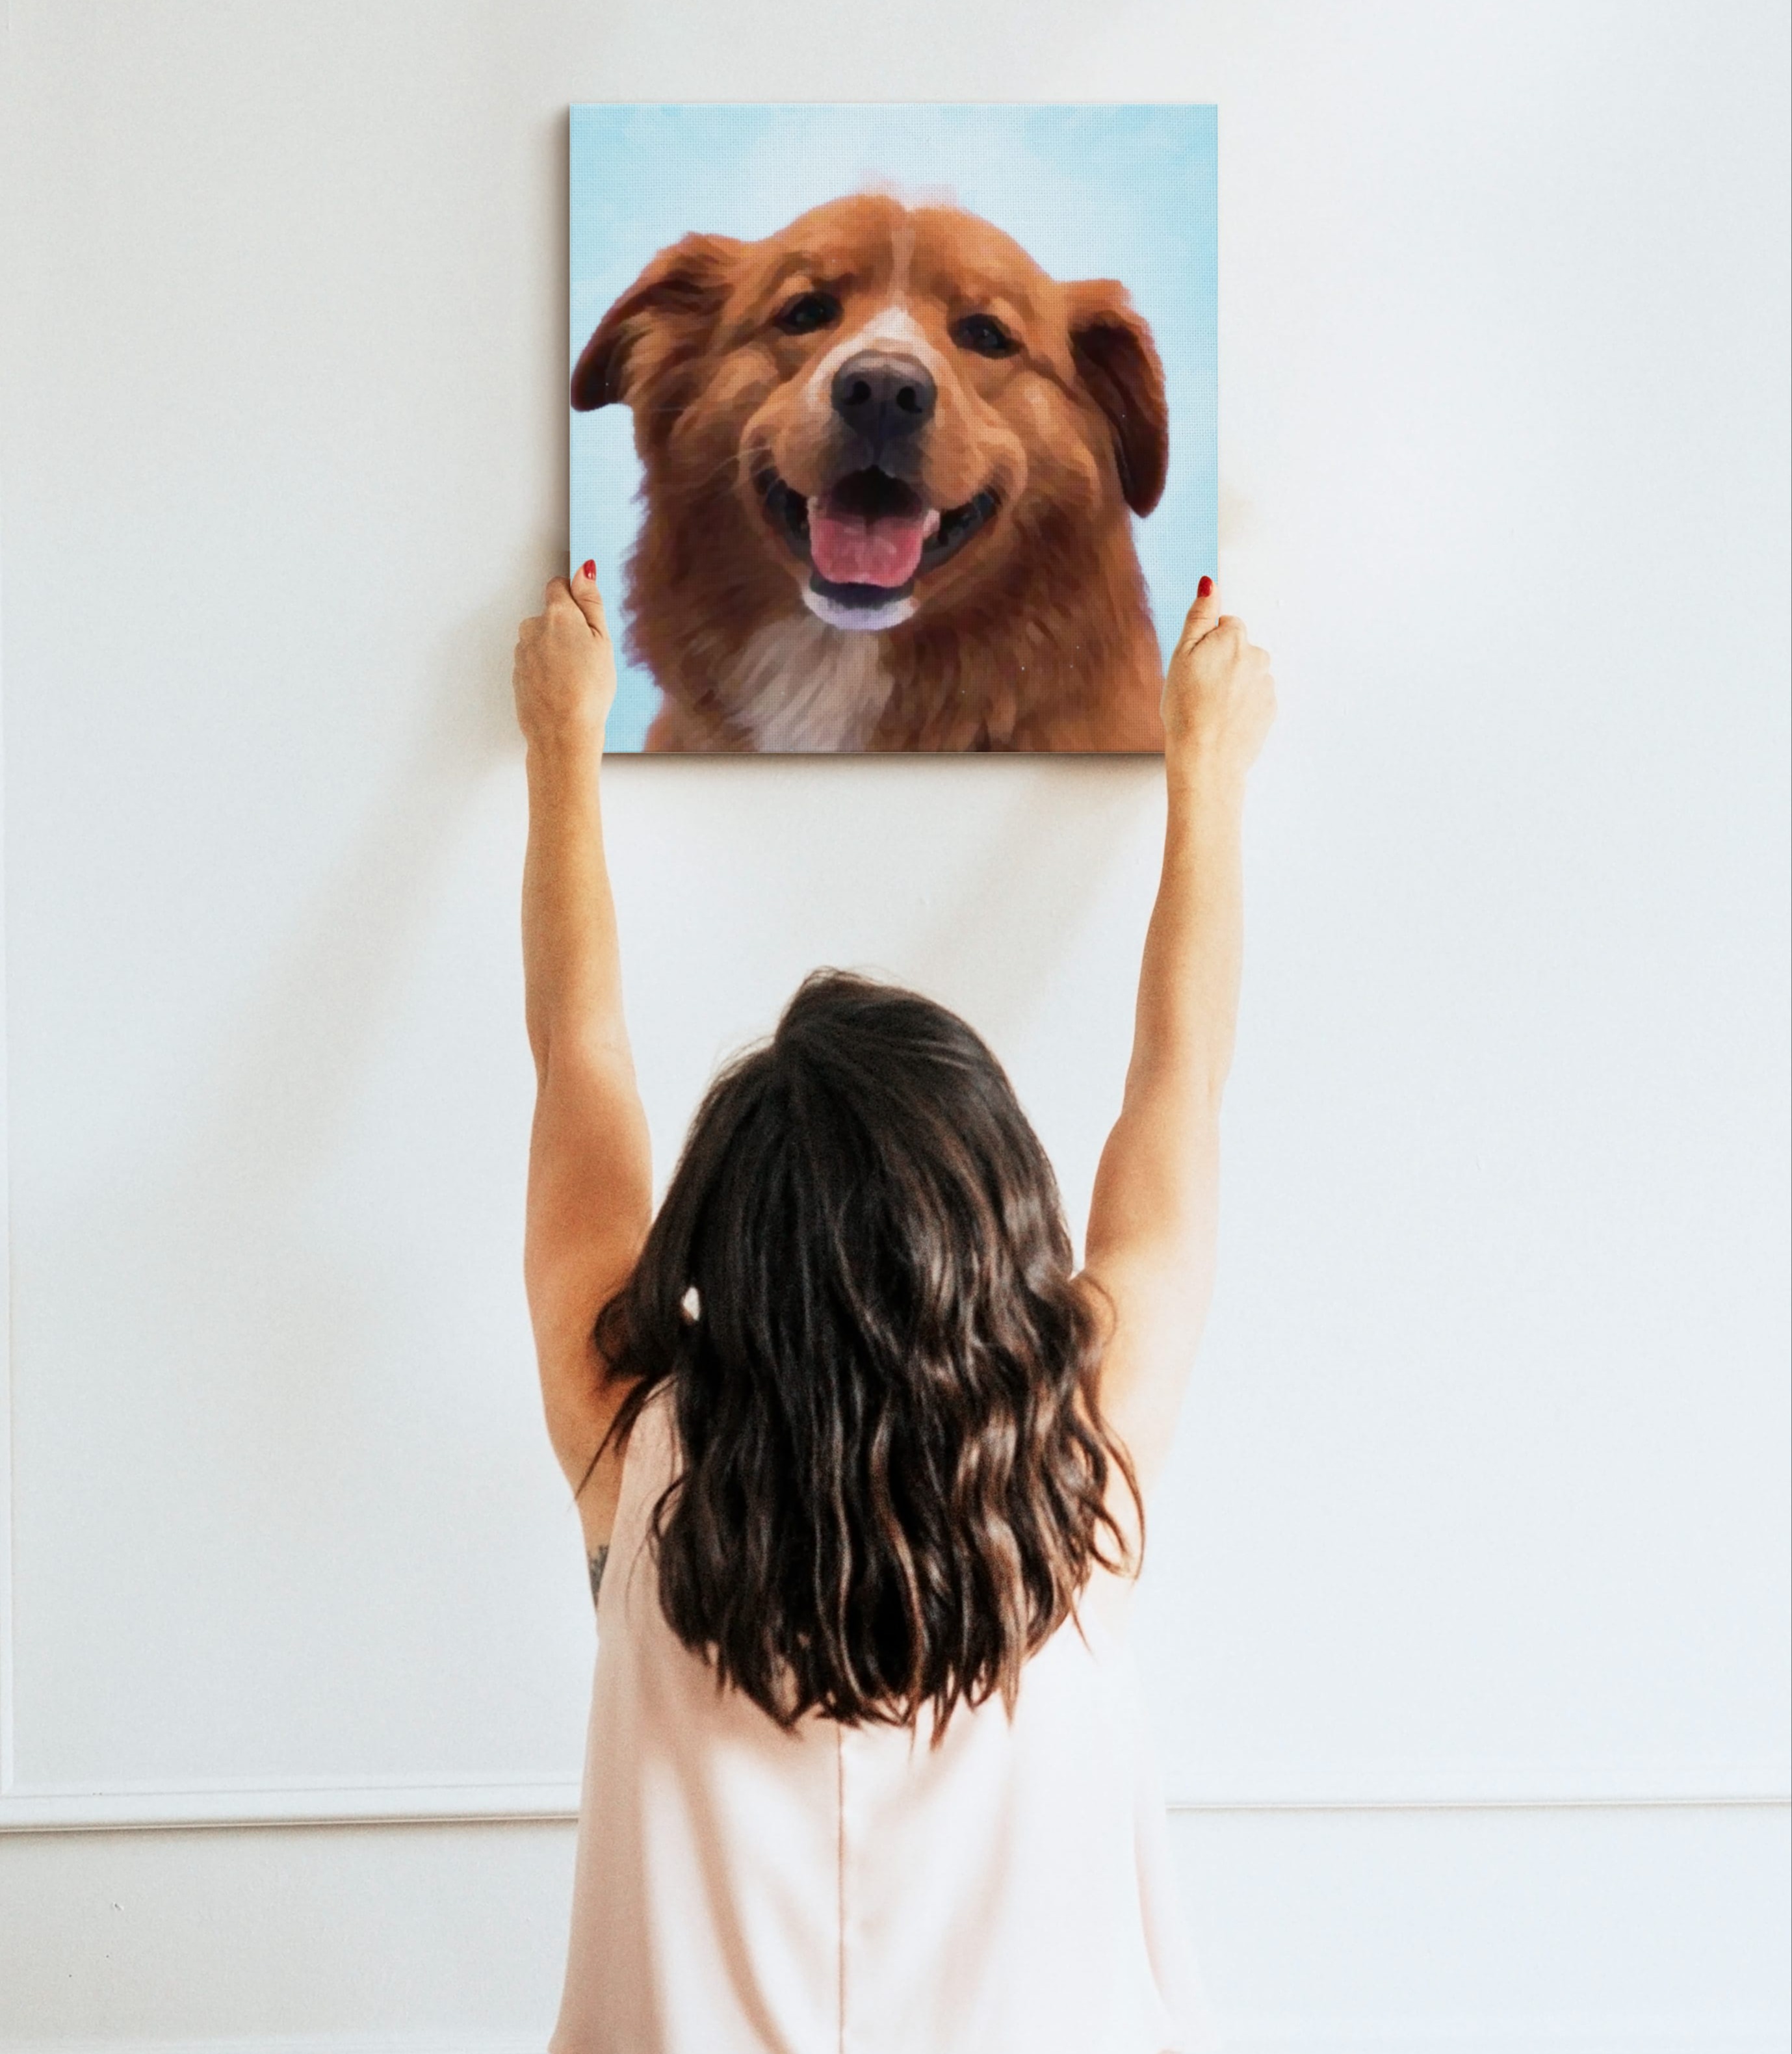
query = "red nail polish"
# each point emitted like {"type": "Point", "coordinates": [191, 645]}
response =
{"type": "Point", "coordinates": [1204, 588]}
{"type": "Point", "coordinates": [588, 568]}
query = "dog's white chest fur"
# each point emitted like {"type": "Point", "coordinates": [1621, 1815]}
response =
{"type": "Point", "coordinates": [799, 684]}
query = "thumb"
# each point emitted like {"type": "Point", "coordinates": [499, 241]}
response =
{"type": "Point", "coordinates": [1204, 613]}
{"type": "Point", "coordinates": [589, 600]}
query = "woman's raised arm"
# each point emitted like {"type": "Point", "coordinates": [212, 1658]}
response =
{"type": "Point", "coordinates": [590, 1171]}
{"type": "Point", "coordinates": [1154, 1216]}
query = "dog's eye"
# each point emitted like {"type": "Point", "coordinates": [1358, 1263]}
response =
{"type": "Point", "coordinates": [807, 312]}
{"type": "Point", "coordinates": [984, 334]}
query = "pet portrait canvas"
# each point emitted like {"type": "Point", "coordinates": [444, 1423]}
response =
{"type": "Point", "coordinates": [893, 427]}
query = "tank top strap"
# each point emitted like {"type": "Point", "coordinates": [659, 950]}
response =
{"type": "Point", "coordinates": [648, 1465]}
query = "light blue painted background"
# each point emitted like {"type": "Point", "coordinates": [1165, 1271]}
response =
{"type": "Point", "coordinates": [1118, 192]}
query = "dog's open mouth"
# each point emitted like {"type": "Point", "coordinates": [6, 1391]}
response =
{"type": "Point", "coordinates": [869, 536]}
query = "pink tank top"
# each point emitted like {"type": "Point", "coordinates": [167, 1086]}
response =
{"type": "Point", "coordinates": [838, 1890]}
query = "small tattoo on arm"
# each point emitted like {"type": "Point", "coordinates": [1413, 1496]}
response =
{"type": "Point", "coordinates": [597, 1562]}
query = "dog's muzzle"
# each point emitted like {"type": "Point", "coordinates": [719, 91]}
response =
{"type": "Point", "coordinates": [867, 540]}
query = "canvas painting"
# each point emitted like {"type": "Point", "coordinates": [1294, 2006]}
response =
{"type": "Point", "coordinates": [893, 427]}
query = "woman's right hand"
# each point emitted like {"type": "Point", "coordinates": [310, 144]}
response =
{"type": "Point", "coordinates": [1218, 696]}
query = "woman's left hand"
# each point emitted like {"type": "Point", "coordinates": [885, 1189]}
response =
{"type": "Point", "coordinates": [564, 672]}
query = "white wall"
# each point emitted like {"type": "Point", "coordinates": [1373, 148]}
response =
{"type": "Point", "coordinates": [1467, 1626]}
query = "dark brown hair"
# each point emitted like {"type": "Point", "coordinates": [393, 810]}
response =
{"type": "Point", "coordinates": [895, 1468]}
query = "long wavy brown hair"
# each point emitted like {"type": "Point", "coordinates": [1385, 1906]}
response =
{"type": "Point", "coordinates": [895, 1471]}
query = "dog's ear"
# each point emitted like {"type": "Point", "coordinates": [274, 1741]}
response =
{"type": "Point", "coordinates": [666, 314]}
{"type": "Point", "coordinates": [1119, 365]}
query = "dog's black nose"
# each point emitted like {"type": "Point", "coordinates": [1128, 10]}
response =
{"type": "Point", "coordinates": [883, 399]}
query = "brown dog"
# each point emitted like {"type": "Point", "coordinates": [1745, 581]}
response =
{"type": "Point", "coordinates": [890, 469]}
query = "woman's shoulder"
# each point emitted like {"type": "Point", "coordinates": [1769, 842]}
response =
{"type": "Point", "coordinates": [1103, 1607]}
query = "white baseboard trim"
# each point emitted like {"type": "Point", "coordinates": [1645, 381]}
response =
{"type": "Point", "coordinates": [299, 2042]}
{"type": "Point", "coordinates": [1517, 2035]}
{"type": "Point", "coordinates": [1485, 1785]}
{"type": "Point", "coordinates": [390, 1802]}
{"type": "Point", "coordinates": [1393, 1786]}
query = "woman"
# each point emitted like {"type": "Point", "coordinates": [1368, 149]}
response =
{"type": "Point", "coordinates": [859, 1457]}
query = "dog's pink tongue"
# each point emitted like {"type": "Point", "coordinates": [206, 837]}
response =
{"type": "Point", "coordinates": [849, 550]}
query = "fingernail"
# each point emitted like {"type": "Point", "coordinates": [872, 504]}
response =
{"type": "Point", "coordinates": [1203, 588]}
{"type": "Point", "coordinates": [589, 568]}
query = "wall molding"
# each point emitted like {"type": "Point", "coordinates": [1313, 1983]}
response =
{"type": "Point", "coordinates": [1485, 1784]}
{"type": "Point", "coordinates": [1491, 1786]}
{"type": "Point", "coordinates": [73, 1808]}
{"type": "Point", "coordinates": [1519, 2034]}
{"type": "Point", "coordinates": [1516, 2035]}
